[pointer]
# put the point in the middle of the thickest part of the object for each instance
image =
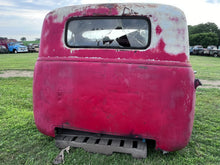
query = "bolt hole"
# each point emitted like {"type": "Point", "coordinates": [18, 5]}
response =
{"type": "Point", "coordinates": [109, 142]}
{"type": "Point", "coordinates": [122, 143]}
{"type": "Point", "coordinates": [97, 141]}
{"type": "Point", "coordinates": [134, 144]}
{"type": "Point", "coordinates": [86, 139]}
{"type": "Point", "coordinates": [74, 138]}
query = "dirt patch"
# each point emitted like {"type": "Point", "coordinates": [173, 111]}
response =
{"type": "Point", "coordinates": [16, 73]}
{"type": "Point", "coordinates": [210, 84]}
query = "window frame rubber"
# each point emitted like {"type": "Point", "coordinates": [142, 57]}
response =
{"type": "Point", "coordinates": [109, 17]}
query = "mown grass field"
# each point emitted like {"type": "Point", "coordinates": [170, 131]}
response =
{"type": "Point", "coordinates": [21, 143]}
{"type": "Point", "coordinates": [18, 61]}
{"type": "Point", "coordinates": [208, 68]}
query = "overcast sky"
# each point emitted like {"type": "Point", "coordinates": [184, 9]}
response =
{"type": "Point", "coordinates": [24, 18]}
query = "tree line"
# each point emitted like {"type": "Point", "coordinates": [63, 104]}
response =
{"type": "Point", "coordinates": [204, 34]}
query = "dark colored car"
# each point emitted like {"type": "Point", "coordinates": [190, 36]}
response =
{"type": "Point", "coordinates": [212, 51]}
{"type": "Point", "coordinates": [33, 47]}
{"type": "Point", "coordinates": [191, 50]}
{"type": "Point", "coordinates": [3, 49]}
{"type": "Point", "coordinates": [198, 50]}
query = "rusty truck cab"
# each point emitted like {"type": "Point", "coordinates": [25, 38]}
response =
{"type": "Point", "coordinates": [116, 69]}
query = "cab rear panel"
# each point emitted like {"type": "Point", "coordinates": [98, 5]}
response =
{"type": "Point", "coordinates": [144, 93]}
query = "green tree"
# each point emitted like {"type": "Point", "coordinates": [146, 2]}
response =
{"type": "Point", "coordinates": [3, 38]}
{"type": "Point", "coordinates": [204, 28]}
{"type": "Point", "coordinates": [203, 39]}
{"type": "Point", "coordinates": [23, 39]}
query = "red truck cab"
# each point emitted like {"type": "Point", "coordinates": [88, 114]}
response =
{"type": "Point", "coordinates": [116, 69]}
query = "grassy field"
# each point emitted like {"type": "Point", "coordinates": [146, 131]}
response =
{"type": "Point", "coordinates": [208, 68]}
{"type": "Point", "coordinates": [20, 61]}
{"type": "Point", "coordinates": [21, 143]}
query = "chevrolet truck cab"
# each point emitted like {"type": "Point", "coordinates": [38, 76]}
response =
{"type": "Point", "coordinates": [116, 69]}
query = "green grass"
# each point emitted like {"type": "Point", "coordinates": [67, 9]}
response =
{"type": "Point", "coordinates": [22, 143]}
{"type": "Point", "coordinates": [20, 61]}
{"type": "Point", "coordinates": [208, 68]}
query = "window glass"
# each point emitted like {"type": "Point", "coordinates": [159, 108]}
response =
{"type": "Point", "coordinates": [108, 33]}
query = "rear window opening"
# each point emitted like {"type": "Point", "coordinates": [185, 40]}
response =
{"type": "Point", "coordinates": [110, 32]}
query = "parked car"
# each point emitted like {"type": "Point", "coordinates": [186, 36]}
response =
{"type": "Point", "coordinates": [198, 50]}
{"type": "Point", "coordinates": [3, 49]}
{"type": "Point", "coordinates": [5, 41]}
{"type": "Point", "coordinates": [33, 47]}
{"type": "Point", "coordinates": [191, 50]}
{"type": "Point", "coordinates": [212, 51]}
{"type": "Point", "coordinates": [17, 47]}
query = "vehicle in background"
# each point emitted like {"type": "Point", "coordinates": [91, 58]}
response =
{"type": "Point", "coordinates": [33, 47]}
{"type": "Point", "coordinates": [3, 49]}
{"type": "Point", "coordinates": [191, 50]}
{"type": "Point", "coordinates": [17, 47]}
{"type": "Point", "coordinates": [5, 41]}
{"type": "Point", "coordinates": [198, 50]}
{"type": "Point", "coordinates": [212, 51]}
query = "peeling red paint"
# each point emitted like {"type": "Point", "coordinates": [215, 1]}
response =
{"type": "Point", "coordinates": [141, 93]}
{"type": "Point", "coordinates": [176, 19]}
{"type": "Point", "coordinates": [155, 19]}
{"type": "Point", "coordinates": [158, 30]}
{"type": "Point", "coordinates": [166, 56]}
{"type": "Point", "coordinates": [101, 11]}
{"type": "Point", "coordinates": [181, 31]}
